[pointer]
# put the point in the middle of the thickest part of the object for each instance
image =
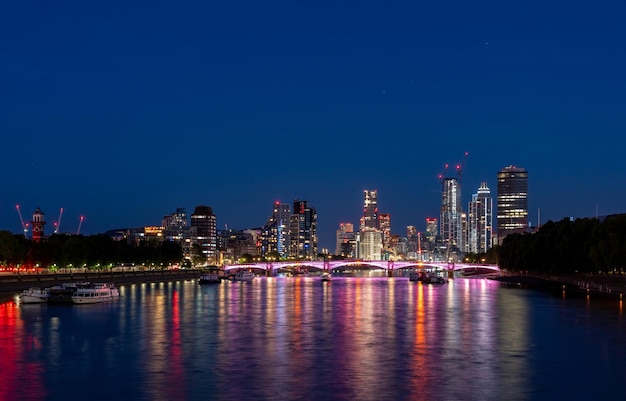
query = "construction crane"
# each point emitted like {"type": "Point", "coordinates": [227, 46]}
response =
{"type": "Point", "coordinates": [57, 225]}
{"type": "Point", "coordinates": [80, 224]}
{"type": "Point", "coordinates": [460, 166]}
{"type": "Point", "coordinates": [24, 225]}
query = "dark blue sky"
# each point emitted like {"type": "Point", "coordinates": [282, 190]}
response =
{"type": "Point", "coordinates": [124, 111]}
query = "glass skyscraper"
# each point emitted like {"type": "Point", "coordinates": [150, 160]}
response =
{"type": "Point", "coordinates": [450, 216]}
{"type": "Point", "coordinates": [512, 201]}
{"type": "Point", "coordinates": [480, 220]}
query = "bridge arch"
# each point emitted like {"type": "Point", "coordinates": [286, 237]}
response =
{"type": "Point", "coordinates": [330, 265]}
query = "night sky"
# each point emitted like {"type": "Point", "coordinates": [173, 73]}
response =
{"type": "Point", "coordinates": [123, 111]}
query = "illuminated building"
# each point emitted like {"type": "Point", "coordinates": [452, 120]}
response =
{"type": "Point", "coordinates": [370, 210]}
{"type": "Point", "coordinates": [431, 229]}
{"type": "Point", "coordinates": [303, 231]}
{"type": "Point", "coordinates": [175, 225]}
{"type": "Point", "coordinates": [480, 220]}
{"type": "Point", "coordinates": [450, 216]}
{"type": "Point", "coordinates": [275, 234]}
{"type": "Point", "coordinates": [412, 242]}
{"type": "Point", "coordinates": [176, 228]}
{"type": "Point", "coordinates": [346, 241]}
{"type": "Point", "coordinates": [204, 232]}
{"type": "Point", "coordinates": [384, 224]}
{"type": "Point", "coordinates": [370, 245]}
{"type": "Point", "coordinates": [38, 224]}
{"type": "Point", "coordinates": [512, 209]}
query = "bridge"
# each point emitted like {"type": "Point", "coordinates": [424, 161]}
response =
{"type": "Point", "coordinates": [388, 265]}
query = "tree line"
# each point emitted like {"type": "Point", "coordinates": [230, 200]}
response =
{"type": "Point", "coordinates": [566, 247]}
{"type": "Point", "coordinates": [93, 252]}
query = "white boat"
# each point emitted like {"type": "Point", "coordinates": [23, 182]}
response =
{"type": "Point", "coordinates": [34, 295]}
{"type": "Point", "coordinates": [325, 276]}
{"type": "Point", "coordinates": [95, 293]}
{"type": "Point", "coordinates": [244, 276]}
{"type": "Point", "coordinates": [209, 278]}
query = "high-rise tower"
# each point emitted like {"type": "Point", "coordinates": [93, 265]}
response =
{"type": "Point", "coordinates": [370, 210]}
{"type": "Point", "coordinates": [303, 230]}
{"type": "Point", "coordinates": [275, 234]}
{"type": "Point", "coordinates": [204, 232]}
{"type": "Point", "coordinates": [512, 201]}
{"type": "Point", "coordinates": [480, 220]}
{"type": "Point", "coordinates": [450, 216]}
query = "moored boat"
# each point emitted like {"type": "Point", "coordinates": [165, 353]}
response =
{"type": "Point", "coordinates": [244, 276]}
{"type": "Point", "coordinates": [209, 278]}
{"type": "Point", "coordinates": [95, 293]}
{"type": "Point", "coordinates": [426, 278]}
{"type": "Point", "coordinates": [62, 294]}
{"type": "Point", "coordinates": [34, 295]}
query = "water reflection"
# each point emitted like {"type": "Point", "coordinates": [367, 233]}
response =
{"type": "Point", "coordinates": [374, 338]}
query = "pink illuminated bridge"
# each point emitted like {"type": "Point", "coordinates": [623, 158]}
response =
{"type": "Point", "coordinates": [330, 265]}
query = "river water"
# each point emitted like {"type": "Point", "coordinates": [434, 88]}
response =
{"type": "Point", "coordinates": [303, 339]}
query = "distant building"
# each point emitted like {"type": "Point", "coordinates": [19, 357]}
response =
{"type": "Point", "coordinates": [384, 225]}
{"type": "Point", "coordinates": [204, 232]}
{"type": "Point", "coordinates": [303, 231]}
{"type": "Point", "coordinates": [38, 224]}
{"type": "Point", "coordinates": [346, 241]}
{"type": "Point", "coordinates": [370, 210]}
{"type": "Point", "coordinates": [431, 229]}
{"type": "Point", "coordinates": [177, 229]}
{"type": "Point", "coordinates": [412, 236]}
{"type": "Point", "coordinates": [512, 208]}
{"type": "Point", "coordinates": [370, 245]}
{"type": "Point", "coordinates": [275, 234]}
{"type": "Point", "coordinates": [450, 215]}
{"type": "Point", "coordinates": [480, 211]}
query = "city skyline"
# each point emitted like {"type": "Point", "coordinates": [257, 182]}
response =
{"type": "Point", "coordinates": [124, 114]}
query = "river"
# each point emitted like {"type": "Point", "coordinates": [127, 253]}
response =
{"type": "Point", "coordinates": [354, 338]}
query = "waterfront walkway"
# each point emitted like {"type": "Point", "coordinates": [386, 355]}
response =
{"type": "Point", "coordinates": [609, 285]}
{"type": "Point", "coordinates": [19, 282]}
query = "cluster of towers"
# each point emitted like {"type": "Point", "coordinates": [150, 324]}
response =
{"type": "Point", "coordinates": [456, 232]}
{"type": "Point", "coordinates": [291, 230]}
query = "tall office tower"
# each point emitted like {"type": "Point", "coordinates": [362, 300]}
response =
{"type": "Point", "coordinates": [370, 211]}
{"type": "Point", "coordinates": [370, 245]}
{"type": "Point", "coordinates": [346, 241]}
{"type": "Point", "coordinates": [512, 206]}
{"type": "Point", "coordinates": [464, 232]}
{"type": "Point", "coordinates": [480, 220]}
{"type": "Point", "coordinates": [384, 224]}
{"type": "Point", "coordinates": [275, 233]}
{"type": "Point", "coordinates": [303, 231]}
{"type": "Point", "coordinates": [38, 224]}
{"type": "Point", "coordinates": [431, 229]}
{"type": "Point", "coordinates": [450, 216]}
{"type": "Point", "coordinates": [204, 232]}
{"type": "Point", "coordinates": [411, 241]}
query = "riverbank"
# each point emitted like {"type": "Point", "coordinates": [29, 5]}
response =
{"type": "Point", "coordinates": [598, 286]}
{"type": "Point", "coordinates": [18, 282]}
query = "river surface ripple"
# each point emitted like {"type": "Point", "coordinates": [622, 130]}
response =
{"type": "Point", "coordinates": [302, 339]}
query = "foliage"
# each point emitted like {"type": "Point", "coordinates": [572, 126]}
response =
{"type": "Point", "coordinates": [566, 246]}
{"type": "Point", "coordinates": [97, 251]}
